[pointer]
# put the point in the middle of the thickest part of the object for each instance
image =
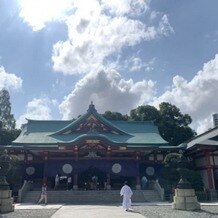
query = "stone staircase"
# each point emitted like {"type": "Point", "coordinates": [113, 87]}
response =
{"type": "Point", "coordinates": [91, 197]}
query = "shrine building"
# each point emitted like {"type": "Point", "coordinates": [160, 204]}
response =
{"type": "Point", "coordinates": [114, 151]}
{"type": "Point", "coordinates": [203, 150]}
{"type": "Point", "coordinates": [91, 145]}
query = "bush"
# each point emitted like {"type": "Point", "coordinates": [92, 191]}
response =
{"type": "Point", "coordinates": [195, 179]}
{"type": "Point", "coordinates": [169, 173]}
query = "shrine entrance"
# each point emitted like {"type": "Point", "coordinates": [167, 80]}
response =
{"type": "Point", "coordinates": [91, 179]}
{"type": "Point", "coordinates": [118, 181]}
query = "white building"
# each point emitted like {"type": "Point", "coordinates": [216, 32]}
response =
{"type": "Point", "coordinates": [215, 119]}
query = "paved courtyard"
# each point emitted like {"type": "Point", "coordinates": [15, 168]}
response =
{"type": "Point", "coordinates": [152, 210]}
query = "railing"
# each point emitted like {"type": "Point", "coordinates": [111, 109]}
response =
{"type": "Point", "coordinates": [26, 187]}
{"type": "Point", "coordinates": [158, 188]}
{"type": "Point", "coordinates": [207, 195]}
{"type": "Point", "coordinates": [212, 194]}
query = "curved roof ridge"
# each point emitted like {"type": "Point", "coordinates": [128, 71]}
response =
{"type": "Point", "coordinates": [32, 120]}
{"type": "Point", "coordinates": [94, 136]}
{"type": "Point", "coordinates": [134, 121]}
{"type": "Point", "coordinates": [91, 111]}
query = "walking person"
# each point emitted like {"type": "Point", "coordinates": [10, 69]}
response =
{"type": "Point", "coordinates": [95, 182]}
{"type": "Point", "coordinates": [43, 195]}
{"type": "Point", "coordinates": [69, 183]}
{"type": "Point", "coordinates": [144, 182]}
{"type": "Point", "coordinates": [57, 179]}
{"type": "Point", "coordinates": [127, 193]}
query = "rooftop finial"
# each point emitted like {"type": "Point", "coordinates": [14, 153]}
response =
{"type": "Point", "coordinates": [92, 107]}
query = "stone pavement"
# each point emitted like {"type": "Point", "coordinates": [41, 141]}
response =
{"type": "Point", "coordinates": [149, 210]}
{"type": "Point", "coordinates": [83, 211]}
{"type": "Point", "coordinates": [94, 211]}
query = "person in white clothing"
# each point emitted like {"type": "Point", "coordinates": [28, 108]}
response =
{"type": "Point", "coordinates": [43, 195]}
{"type": "Point", "coordinates": [127, 193]}
{"type": "Point", "coordinates": [69, 183]}
{"type": "Point", "coordinates": [57, 180]}
{"type": "Point", "coordinates": [144, 182]}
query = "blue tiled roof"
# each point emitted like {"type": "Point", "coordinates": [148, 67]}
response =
{"type": "Point", "coordinates": [125, 133]}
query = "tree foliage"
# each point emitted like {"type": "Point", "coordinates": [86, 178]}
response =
{"type": "Point", "coordinates": [114, 116]}
{"type": "Point", "coordinates": [7, 136]}
{"type": "Point", "coordinates": [174, 161]}
{"type": "Point", "coordinates": [7, 119]}
{"type": "Point", "coordinates": [144, 113]}
{"type": "Point", "coordinates": [8, 132]}
{"type": "Point", "coordinates": [172, 124]}
{"type": "Point", "coordinates": [14, 177]}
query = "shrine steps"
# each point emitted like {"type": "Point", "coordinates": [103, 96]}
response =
{"type": "Point", "coordinates": [91, 197]}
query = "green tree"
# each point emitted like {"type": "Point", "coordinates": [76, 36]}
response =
{"type": "Point", "coordinates": [114, 116]}
{"type": "Point", "coordinates": [144, 113]}
{"type": "Point", "coordinates": [8, 132]}
{"type": "Point", "coordinates": [13, 176]}
{"type": "Point", "coordinates": [7, 136]}
{"type": "Point", "coordinates": [173, 125]}
{"type": "Point", "coordinates": [7, 119]}
{"type": "Point", "coordinates": [170, 173]}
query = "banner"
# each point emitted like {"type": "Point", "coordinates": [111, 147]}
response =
{"type": "Point", "coordinates": [117, 167]}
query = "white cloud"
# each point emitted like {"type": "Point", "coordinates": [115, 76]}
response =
{"type": "Point", "coordinates": [37, 12]}
{"type": "Point", "coordinates": [108, 91]}
{"type": "Point", "coordinates": [137, 64]}
{"type": "Point", "coordinates": [96, 29]}
{"type": "Point", "coordinates": [94, 35]}
{"type": "Point", "coordinates": [197, 97]}
{"type": "Point", "coordinates": [9, 80]}
{"type": "Point", "coordinates": [164, 27]}
{"type": "Point", "coordinates": [37, 109]}
{"type": "Point", "coordinates": [204, 124]}
{"type": "Point", "coordinates": [126, 7]}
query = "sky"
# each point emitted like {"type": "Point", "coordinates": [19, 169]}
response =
{"type": "Point", "coordinates": [58, 56]}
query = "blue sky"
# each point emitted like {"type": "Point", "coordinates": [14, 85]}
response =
{"type": "Point", "coordinates": [58, 56]}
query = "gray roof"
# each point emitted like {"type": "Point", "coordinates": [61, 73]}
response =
{"type": "Point", "coordinates": [208, 138]}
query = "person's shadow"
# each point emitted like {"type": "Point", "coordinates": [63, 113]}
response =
{"type": "Point", "coordinates": [132, 211]}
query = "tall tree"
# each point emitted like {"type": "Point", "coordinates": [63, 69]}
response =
{"type": "Point", "coordinates": [8, 132]}
{"type": "Point", "coordinates": [7, 119]}
{"type": "Point", "coordinates": [170, 173]}
{"type": "Point", "coordinates": [13, 176]}
{"type": "Point", "coordinates": [114, 116]}
{"type": "Point", "coordinates": [145, 113]}
{"type": "Point", "coordinates": [173, 125]}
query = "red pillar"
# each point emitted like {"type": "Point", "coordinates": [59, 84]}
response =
{"type": "Point", "coordinates": [76, 155]}
{"type": "Point", "coordinates": [209, 170]}
{"type": "Point", "coordinates": [108, 181]}
{"type": "Point", "coordinates": [75, 181]}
